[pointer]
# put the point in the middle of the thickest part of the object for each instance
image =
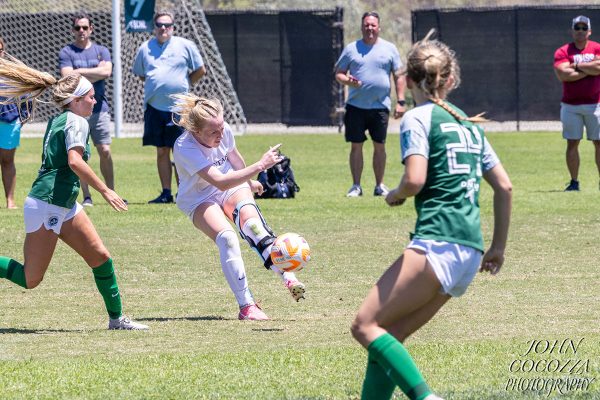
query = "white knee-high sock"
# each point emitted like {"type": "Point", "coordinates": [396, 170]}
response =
{"type": "Point", "coordinates": [254, 229]}
{"type": "Point", "coordinates": [285, 276]}
{"type": "Point", "coordinates": [233, 266]}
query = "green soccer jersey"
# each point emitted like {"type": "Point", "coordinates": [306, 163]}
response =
{"type": "Point", "coordinates": [458, 153]}
{"type": "Point", "coordinates": [56, 183]}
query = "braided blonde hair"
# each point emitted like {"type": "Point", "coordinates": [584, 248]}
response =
{"type": "Point", "coordinates": [432, 65]}
{"type": "Point", "coordinates": [20, 84]}
{"type": "Point", "coordinates": [194, 111]}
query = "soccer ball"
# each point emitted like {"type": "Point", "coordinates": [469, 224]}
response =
{"type": "Point", "coordinates": [290, 252]}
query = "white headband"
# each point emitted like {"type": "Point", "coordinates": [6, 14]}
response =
{"type": "Point", "coordinates": [82, 88]}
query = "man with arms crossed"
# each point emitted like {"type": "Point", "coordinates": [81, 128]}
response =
{"type": "Point", "coordinates": [577, 66]}
{"type": "Point", "coordinates": [93, 62]}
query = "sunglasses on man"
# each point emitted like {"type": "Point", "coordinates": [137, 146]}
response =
{"type": "Point", "coordinates": [580, 28]}
{"type": "Point", "coordinates": [79, 27]}
{"type": "Point", "coordinates": [163, 25]}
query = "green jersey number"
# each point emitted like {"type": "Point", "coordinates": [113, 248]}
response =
{"type": "Point", "coordinates": [468, 142]}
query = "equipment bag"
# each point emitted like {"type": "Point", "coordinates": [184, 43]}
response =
{"type": "Point", "coordinates": [278, 181]}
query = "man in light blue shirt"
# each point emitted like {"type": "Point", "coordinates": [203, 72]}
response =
{"type": "Point", "coordinates": [168, 65]}
{"type": "Point", "coordinates": [365, 67]}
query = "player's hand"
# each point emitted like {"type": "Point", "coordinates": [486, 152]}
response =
{"type": "Point", "coordinates": [256, 187]}
{"type": "Point", "coordinates": [492, 261]}
{"type": "Point", "coordinates": [114, 200]}
{"type": "Point", "coordinates": [271, 157]}
{"type": "Point", "coordinates": [393, 198]}
{"type": "Point", "coordinates": [399, 111]}
{"type": "Point", "coordinates": [354, 82]}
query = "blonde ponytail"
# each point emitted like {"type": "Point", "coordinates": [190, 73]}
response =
{"type": "Point", "coordinates": [433, 66]}
{"type": "Point", "coordinates": [194, 111]}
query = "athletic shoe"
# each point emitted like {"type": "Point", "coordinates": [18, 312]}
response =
{"type": "Point", "coordinates": [252, 312]}
{"type": "Point", "coordinates": [126, 324]}
{"type": "Point", "coordinates": [162, 199]}
{"type": "Point", "coordinates": [381, 190]}
{"type": "Point", "coordinates": [573, 186]}
{"type": "Point", "coordinates": [87, 202]}
{"type": "Point", "coordinates": [296, 288]}
{"type": "Point", "coordinates": [354, 191]}
{"type": "Point", "coordinates": [433, 397]}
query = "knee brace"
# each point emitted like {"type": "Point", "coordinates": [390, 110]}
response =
{"type": "Point", "coordinates": [256, 232]}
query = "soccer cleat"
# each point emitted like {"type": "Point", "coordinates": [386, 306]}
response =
{"type": "Point", "coordinates": [87, 202]}
{"type": "Point", "coordinates": [125, 323]}
{"type": "Point", "coordinates": [162, 199]}
{"type": "Point", "coordinates": [252, 312]}
{"type": "Point", "coordinates": [381, 190]}
{"type": "Point", "coordinates": [354, 191]}
{"type": "Point", "coordinates": [296, 288]}
{"type": "Point", "coordinates": [573, 186]}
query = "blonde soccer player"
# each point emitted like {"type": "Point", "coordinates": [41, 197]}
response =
{"type": "Point", "coordinates": [445, 156]}
{"type": "Point", "coordinates": [215, 188]}
{"type": "Point", "coordinates": [51, 210]}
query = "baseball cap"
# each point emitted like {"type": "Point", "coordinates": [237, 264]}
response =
{"type": "Point", "coordinates": [581, 20]}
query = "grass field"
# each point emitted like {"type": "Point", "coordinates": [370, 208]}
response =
{"type": "Point", "coordinates": [54, 343]}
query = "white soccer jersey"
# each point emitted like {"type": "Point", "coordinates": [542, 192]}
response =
{"type": "Point", "coordinates": [190, 158]}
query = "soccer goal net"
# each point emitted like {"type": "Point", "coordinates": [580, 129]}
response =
{"type": "Point", "coordinates": [35, 30]}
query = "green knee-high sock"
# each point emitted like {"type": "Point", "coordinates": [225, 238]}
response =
{"type": "Point", "coordinates": [106, 282]}
{"type": "Point", "coordinates": [377, 384]}
{"type": "Point", "coordinates": [399, 365]}
{"type": "Point", "coordinates": [13, 271]}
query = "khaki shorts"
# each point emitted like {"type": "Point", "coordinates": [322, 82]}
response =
{"type": "Point", "coordinates": [37, 213]}
{"type": "Point", "coordinates": [454, 265]}
{"type": "Point", "coordinates": [100, 128]}
{"type": "Point", "coordinates": [574, 118]}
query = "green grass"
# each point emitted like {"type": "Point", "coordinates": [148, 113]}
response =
{"type": "Point", "coordinates": [54, 343]}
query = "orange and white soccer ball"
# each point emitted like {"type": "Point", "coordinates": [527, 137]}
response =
{"type": "Point", "coordinates": [290, 252]}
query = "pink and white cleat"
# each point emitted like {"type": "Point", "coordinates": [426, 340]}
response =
{"type": "Point", "coordinates": [296, 288]}
{"type": "Point", "coordinates": [252, 312]}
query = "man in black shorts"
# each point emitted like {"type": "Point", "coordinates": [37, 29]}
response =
{"type": "Point", "coordinates": [365, 67]}
{"type": "Point", "coordinates": [168, 65]}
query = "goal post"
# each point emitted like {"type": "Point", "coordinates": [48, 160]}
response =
{"type": "Point", "coordinates": [36, 30]}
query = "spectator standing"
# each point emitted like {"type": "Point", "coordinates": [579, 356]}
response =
{"type": "Point", "coordinates": [577, 66]}
{"type": "Point", "coordinates": [365, 67]}
{"type": "Point", "coordinates": [10, 138]}
{"type": "Point", "coordinates": [168, 65]}
{"type": "Point", "coordinates": [92, 61]}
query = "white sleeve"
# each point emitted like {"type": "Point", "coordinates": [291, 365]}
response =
{"type": "Point", "coordinates": [77, 130]}
{"type": "Point", "coordinates": [414, 136]}
{"type": "Point", "coordinates": [189, 157]}
{"type": "Point", "coordinates": [490, 159]}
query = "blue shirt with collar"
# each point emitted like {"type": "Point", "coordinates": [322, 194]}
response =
{"type": "Point", "coordinates": [166, 69]}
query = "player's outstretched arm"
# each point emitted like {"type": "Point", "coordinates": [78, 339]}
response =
{"type": "Point", "coordinates": [87, 175]}
{"type": "Point", "coordinates": [238, 176]}
{"type": "Point", "coordinates": [500, 182]}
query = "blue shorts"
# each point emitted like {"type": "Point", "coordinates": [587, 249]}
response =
{"type": "Point", "coordinates": [10, 135]}
{"type": "Point", "coordinates": [159, 128]}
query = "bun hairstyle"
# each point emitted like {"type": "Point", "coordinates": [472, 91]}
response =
{"type": "Point", "coordinates": [194, 111]}
{"type": "Point", "coordinates": [22, 84]}
{"type": "Point", "coordinates": [433, 67]}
